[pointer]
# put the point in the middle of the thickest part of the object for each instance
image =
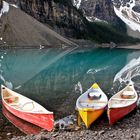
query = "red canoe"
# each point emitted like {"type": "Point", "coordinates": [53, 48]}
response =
{"type": "Point", "coordinates": [122, 103]}
{"type": "Point", "coordinates": [27, 109]}
{"type": "Point", "coordinates": [22, 125]}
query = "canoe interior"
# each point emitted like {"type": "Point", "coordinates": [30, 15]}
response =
{"type": "Point", "coordinates": [21, 103]}
{"type": "Point", "coordinates": [84, 102]}
{"type": "Point", "coordinates": [124, 98]}
{"type": "Point", "coordinates": [91, 104]}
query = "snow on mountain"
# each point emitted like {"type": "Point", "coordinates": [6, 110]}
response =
{"type": "Point", "coordinates": [77, 3]}
{"type": "Point", "coordinates": [97, 10]}
{"type": "Point", "coordinates": [5, 8]}
{"type": "Point", "coordinates": [126, 11]}
{"type": "Point", "coordinates": [14, 5]}
{"type": "Point", "coordinates": [93, 19]}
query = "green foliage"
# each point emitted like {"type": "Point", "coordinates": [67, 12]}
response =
{"type": "Point", "coordinates": [120, 25]}
{"type": "Point", "coordinates": [105, 33]}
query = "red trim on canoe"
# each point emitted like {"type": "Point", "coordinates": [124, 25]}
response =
{"type": "Point", "coordinates": [45, 121]}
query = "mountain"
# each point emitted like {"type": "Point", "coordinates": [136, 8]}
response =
{"type": "Point", "coordinates": [20, 29]}
{"type": "Point", "coordinates": [97, 10]}
{"type": "Point", "coordinates": [65, 19]}
{"type": "Point", "coordinates": [100, 11]}
{"type": "Point", "coordinates": [111, 10]}
{"type": "Point", "coordinates": [129, 12]}
{"type": "Point", "coordinates": [59, 14]}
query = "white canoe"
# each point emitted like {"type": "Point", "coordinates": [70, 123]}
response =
{"type": "Point", "coordinates": [27, 109]}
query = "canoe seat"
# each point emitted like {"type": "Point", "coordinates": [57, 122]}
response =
{"type": "Point", "coordinates": [92, 104]}
{"type": "Point", "coordinates": [122, 99]}
{"type": "Point", "coordinates": [11, 99]}
{"type": "Point", "coordinates": [116, 103]}
{"type": "Point", "coordinates": [7, 97]}
{"type": "Point", "coordinates": [128, 95]}
{"type": "Point", "coordinates": [94, 95]}
{"type": "Point", "coordinates": [91, 101]}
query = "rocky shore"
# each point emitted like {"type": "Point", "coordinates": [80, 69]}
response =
{"type": "Point", "coordinates": [136, 46]}
{"type": "Point", "coordinates": [126, 129]}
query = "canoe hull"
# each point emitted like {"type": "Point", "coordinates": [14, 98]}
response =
{"type": "Point", "coordinates": [91, 105]}
{"type": "Point", "coordinates": [115, 114]}
{"type": "Point", "coordinates": [45, 121]}
{"type": "Point", "coordinates": [89, 117]}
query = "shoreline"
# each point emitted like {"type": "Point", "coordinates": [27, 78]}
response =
{"type": "Point", "coordinates": [120, 46]}
{"type": "Point", "coordinates": [103, 45]}
{"type": "Point", "coordinates": [136, 47]}
{"type": "Point", "coordinates": [79, 43]}
{"type": "Point", "coordinates": [127, 128]}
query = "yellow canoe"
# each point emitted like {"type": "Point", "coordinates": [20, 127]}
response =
{"type": "Point", "coordinates": [91, 104]}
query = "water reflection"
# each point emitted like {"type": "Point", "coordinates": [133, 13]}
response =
{"type": "Point", "coordinates": [49, 76]}
{"type": "Point", "coordinates": [22, 125]}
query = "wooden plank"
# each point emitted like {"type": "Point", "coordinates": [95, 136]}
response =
{"type": "Point", "coordinates": [91, 101]}
{"type": "Point", "coordinates": [9, 97]}
{"type": "Point", "coordinates": [121, 99]}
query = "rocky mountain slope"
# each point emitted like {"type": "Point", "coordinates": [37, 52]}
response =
{"type": "Point", "coordinates": [59, 14]}
{"type": "Point", "coordinates": [20, 29]}
{"type": "Point", "coordinates": [65, 18]}
{"type": "Point", "coordinates": [97, 10]}
{"type": "Point", "coordinates": [110, 10]}
{"type": "Point", "coordinates": [129, 12]}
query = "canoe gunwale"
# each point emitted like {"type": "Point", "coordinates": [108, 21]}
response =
{"type": "Point", "coordinates": [89, 114]}
{"type": "Point", "coordinates": [18, 109]}
{"type": "Point", "coordinates": [123, 106]}
{"type": "Point", "coordinates": [79, 107]}
{"type": "Point", "coordinates": [116, 113]}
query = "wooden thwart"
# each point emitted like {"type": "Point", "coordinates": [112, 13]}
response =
{"type": "Point", "coordinates": [121, 99]}
{"type": "Point", "coordinates": [9, 97]}
{"type": "Point", "coordinates": [91, 101]}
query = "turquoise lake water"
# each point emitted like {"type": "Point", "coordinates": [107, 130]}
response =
{"type": "Point", "coordinates": [55, 77]}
